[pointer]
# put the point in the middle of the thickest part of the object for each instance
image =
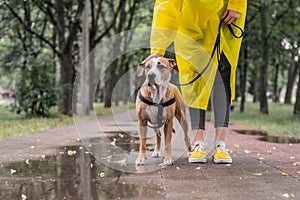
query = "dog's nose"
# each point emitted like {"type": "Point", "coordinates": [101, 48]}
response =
{"type": "Point", "coordinates": [151, 75]}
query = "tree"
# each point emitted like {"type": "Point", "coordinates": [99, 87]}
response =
{"type": "Point", "coordinates": [297, 103]}
{"type": "Point", "coordinates": [35, 90]}
{"type": "Point", "coordinates": [64, 16]}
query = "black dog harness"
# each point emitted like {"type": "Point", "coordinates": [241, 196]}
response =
{"type": "Point", "coordinates": [160, 106]}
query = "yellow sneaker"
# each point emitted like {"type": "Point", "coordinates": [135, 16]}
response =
{"type": "Point", "coordinates": [221, 154]}
{"type": "Point", "coordinates": [198, 155]}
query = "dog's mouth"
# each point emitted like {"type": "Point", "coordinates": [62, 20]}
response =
{"type": "Point", "coordinates": [152, 83]}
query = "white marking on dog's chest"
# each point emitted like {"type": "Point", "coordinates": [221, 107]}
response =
{"type": "Point", "coordinates": [152, 111]}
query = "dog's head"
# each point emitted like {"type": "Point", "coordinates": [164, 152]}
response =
{"type": "Point", "coordinates": [157, 70]}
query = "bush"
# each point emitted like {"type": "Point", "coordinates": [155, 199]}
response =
{"type": "Point", "coordinates": [36, 91]}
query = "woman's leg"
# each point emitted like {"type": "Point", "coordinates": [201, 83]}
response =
{"type": "Point", "coordinates": [221, 97]}
{"type": "Point", "coordinates": [197, 117]}
{"type": "Point", "coordinates": [198, 153]}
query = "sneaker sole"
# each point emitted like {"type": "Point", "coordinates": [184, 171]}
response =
{"type": "Point", "coordinates": [222, 160]}
{"type": "Point", "coordinates": [197, 160]}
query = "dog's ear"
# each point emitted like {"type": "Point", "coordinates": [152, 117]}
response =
{"type": "Point", "coordinates": [173, 64]}
{"type": "Point", "coordinates": [140, 70]}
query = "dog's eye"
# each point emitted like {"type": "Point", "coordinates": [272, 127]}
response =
{"type": "Point", "coordinates": [147, 67]}
{"type": "Point", "coordinates": [159, 66]}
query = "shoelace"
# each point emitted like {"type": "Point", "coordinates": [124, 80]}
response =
{"type": "Point", "coordinates": [199, 147]}
{"type": "Point", "coordinates": [222, 149]}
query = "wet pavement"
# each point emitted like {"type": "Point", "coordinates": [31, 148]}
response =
{"type": "Point", "coordinates": [55, 165]}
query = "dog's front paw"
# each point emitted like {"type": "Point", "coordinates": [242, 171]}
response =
{"type": "Point", "coordinates": [168, 162]}
{"type": "Point", "coordinates": [140, 161]}
{"type": "Point", "coordinates": [156, 154]}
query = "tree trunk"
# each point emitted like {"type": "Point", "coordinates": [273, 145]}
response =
{"type": "Point", "coordinates": [66, 81]}
{"type": "Point", "coordinates": [292, 75]}
{"type": "Point", "coordinates": [275, 96]}
{"type": "Point", "coordinates": [243, 73]}
{"type": "Point", "coordinates": [265, 58]}
{"type": "Point", "coordinates": [85, 74]}
{"type": "Point", "coordinates": [66, 46]}
{"type": "Point", "coordinates": [297, 104]}
{"type": "Point", "coordinates": [92, 89]}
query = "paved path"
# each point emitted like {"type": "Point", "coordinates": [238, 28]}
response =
{"type": "Point", "coordinates": [260, 170]}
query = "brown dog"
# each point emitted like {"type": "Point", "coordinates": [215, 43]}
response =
{"type": "Point", "coordinates": [157, 103]}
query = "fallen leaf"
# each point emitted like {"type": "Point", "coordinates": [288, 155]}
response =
{"type": "Point", "coordinates": [113, 143]}
{"type": "Point", "coordinates": [284, 174]}
{"type": "Point", "coordinates": [24, 197]}
{"type": "Point", "coordinates": [257, 174]}
{"type": "Point", "coordinates": [162, 165]}
{"type": "Point", "coordinates": [12, 171]}
{"type": "Point", "coordinates": [71, 153]}
{"type": "Point", "coordinates": [286, 195]}
{"type": "Point", "coordinates": [247, 151]}
{"type": "Point", "coordinates": [101, 174]}
{"type": "Point", "coordinates": [296, 163]}
{"type": "Point", "coordinates": [292, 195]}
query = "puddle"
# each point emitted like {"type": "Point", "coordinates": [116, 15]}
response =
{"type": "Point", "coordinates": [71, 174]}
{"type": "Point", "coordinates": [252, 132]}
{"type": "Point", "coordinates": [127, 141]}
{"type": "Point", "coordinates": [280, 139]}
{"type": "Point", "coordinates": [270, 138]}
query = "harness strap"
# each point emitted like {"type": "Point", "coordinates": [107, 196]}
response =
{"type": "Point", "coordinates": [160, 106]}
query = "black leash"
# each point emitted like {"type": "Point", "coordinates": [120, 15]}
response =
{"type": "Point", "coordinates": [160, 106]}
{"type": "Point", "coordinates": [216, 48]}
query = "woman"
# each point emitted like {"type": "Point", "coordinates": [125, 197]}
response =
{"type": "Point", "coordinates": [193, 26]}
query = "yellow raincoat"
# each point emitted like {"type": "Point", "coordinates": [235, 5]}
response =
{"type": "Point", "coordinates": [193, 27]}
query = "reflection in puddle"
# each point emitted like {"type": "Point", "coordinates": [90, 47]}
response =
{"type": "Point", "coordinates": [270, 138]}
{"type": "Point", "coordinates": [119, 151]}
{"type": "Point", "coordinates": [280, 139]}
{"type": "Point", "coordinates": [252, 132]}
{"type": "Point", "coordinates": [72, 174]}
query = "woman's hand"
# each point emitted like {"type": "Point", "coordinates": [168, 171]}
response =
{"type": "Point", "coordinates": [154, 55]}
{"type": "Point", "coordinates": [230, 16]}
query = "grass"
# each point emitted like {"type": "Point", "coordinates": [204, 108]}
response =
{"type": "Point", "coordinates": [12, 124]}
{"type": "Point", "coordinates": [279, 120]}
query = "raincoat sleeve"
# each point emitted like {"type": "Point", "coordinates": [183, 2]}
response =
{"type": "Point", "coordinates": [237, 5]}
{"type": "Point", "coordinates": [164, 24]}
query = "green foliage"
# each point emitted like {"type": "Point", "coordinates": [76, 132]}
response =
{"type": "Point", "coordinates": [12, 124]}
{"type": "Point", "coordinates": [279, 120]}
{"type": "Point", "coordinates": [35, 90]}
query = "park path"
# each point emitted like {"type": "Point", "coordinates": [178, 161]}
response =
{"type": "Point", "coordinates": [260, 170]}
